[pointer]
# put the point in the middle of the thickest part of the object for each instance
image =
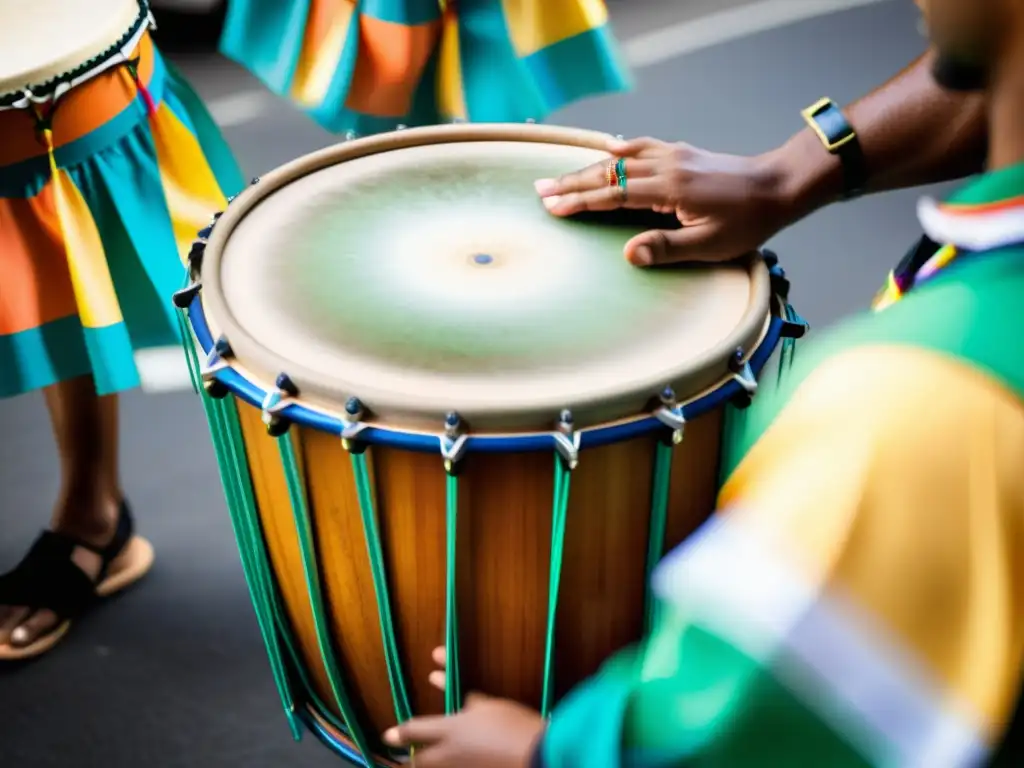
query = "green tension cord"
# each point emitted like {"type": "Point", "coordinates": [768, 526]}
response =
{"type": "Point", "coordinates": [659, 518]}
{"type": "Point", "coordinates": [307, 547]}
{"type": "Point", "coordinates": [364, 490]}
{"type": "Point", "coordinates": [453, 685]}
{"type": "Point", "coordinates": [559, 510]}
{"type": "Point", "coordinates": [235, 486]}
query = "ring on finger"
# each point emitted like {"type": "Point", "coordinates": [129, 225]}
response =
{"type": "Point", "coordinates": [620, 176]}
{"type": "Point", "coordinates": [611, 177]}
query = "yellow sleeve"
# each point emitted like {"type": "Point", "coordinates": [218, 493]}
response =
{"type": "Point", "coordinates": [892, 486]}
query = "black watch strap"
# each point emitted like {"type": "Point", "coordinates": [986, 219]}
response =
{"type": "Point", "coordinates": [837, 135]}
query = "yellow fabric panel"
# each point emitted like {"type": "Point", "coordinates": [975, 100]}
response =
{"type": "Point", "coordinates": [451, 100]}
{"type": "Point", "coordinates": [190, 188]}
{"type": "Point", "coordinates": [87, 260]}
{"type": "Point", "coordinates": [894, 477]}
{"type": "Point", "coordinates": [536, 24]}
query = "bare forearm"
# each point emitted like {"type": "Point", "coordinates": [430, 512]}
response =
{"type": "Point", "coordinates": [912, 132]}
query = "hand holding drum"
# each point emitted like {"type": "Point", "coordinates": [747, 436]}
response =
{"type": "Point", "coordinates": [728, 205]}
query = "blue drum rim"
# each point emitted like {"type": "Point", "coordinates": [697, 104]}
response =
{"type": "Point", "coordinates": [590, 437]}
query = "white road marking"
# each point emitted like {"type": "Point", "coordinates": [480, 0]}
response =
{"type": "Point", "coordinates": [240, 108]}
{"type": "Point", "coordinates": [724, 26]}
{"type": "Point", "coordinates": [163, 369]}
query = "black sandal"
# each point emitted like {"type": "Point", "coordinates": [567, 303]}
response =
{"type": "Point", "coordinates": [48, 579]}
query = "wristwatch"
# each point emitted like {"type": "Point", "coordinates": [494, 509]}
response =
{"type": "Point", "coordinates": [837, 135]}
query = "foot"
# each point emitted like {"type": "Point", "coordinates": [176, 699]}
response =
{"type": "Point", "coordinates": [59, 580]}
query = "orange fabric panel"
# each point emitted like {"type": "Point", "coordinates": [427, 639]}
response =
{"type": "Point", "coordinates": [35, 284]}
{"type": "Point", "coordinates": [80, 111]}
{"type": "Point", "coordinates": [389, 66]}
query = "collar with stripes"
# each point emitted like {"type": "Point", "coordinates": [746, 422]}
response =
{"type": "Point", "coordinates": [986, 214]}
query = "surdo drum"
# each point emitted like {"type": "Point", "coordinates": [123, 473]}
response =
{"type": "Point", "coordinates": [443, 415]}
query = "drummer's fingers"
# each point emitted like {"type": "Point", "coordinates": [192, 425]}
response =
{"type": "Point", "coordinates": [440, 656]}
{"type": "Point", "coordinates": [634, 147]}
{"type": "Point", "coordinates": [640, 193]}
{"type": "Point", "coordinates": [593, 177]}
{"type": "Point", "coordinates": [420, 731]}
{"type": "Point", "coordinates": [438, 679]}
{"type": "Point", "coordinates": [697, 243]}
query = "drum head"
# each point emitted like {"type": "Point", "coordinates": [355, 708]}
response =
{"type": "Point", "coordinates": [43, 39]}
{"type": "Point", "coordinates": [419, 272]}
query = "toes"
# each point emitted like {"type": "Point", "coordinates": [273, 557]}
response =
{"type": "Point", "coordinates": [34, 627]}
{"type": "Point", "coordinates": [10, 618]}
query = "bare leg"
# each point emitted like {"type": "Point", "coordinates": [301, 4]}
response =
{"type": "Point", "coordinates": [85, 427]}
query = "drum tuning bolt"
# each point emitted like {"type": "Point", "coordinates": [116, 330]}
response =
{"type": "Point", "coordinates": [195, 258]}
{"type": "Point", "coordinates": [352, 425]}
{"type": "Point", "coordinates": [743, 374]}
{"type": "Point", "coordinates": [183, 299]}
{"type": "Point", "coordinates": [671, 415]}
{"type": "Point", "coordinates": [216, 362]}
{"type": "Point", "coordinates": [275, 402]}
{"type": "Point", "coordinates": [567, 440]}
{"type": "Point", "coordinates": [453, 443]}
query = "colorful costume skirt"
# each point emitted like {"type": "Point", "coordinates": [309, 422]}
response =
{"type": "Point", "coordinates": [367, 66]}
{"type": "Point", "coordinates": [100, 197]}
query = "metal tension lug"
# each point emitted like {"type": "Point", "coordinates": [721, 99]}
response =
{"type": "Point", "coordinates": [351, 425]}
{"type": "Point", "coordinates": [567, 440]}
{"type": "Point", "coordinates": [195, 258]}
{"type": "Point", "coordinates": [216, 361]}
{"type": "Point", "coordinates": [453, 443]}
{"type": "Point", "coordinates": [743, 375]}
{"type": "Point", "coordinates": [671, 415]}
{"type": "Point", "coordinates": [791, 330]}
{"type": "Point", "coordinates": [183, 299]}
{"type": "Point", "coordinates": [275, 402]}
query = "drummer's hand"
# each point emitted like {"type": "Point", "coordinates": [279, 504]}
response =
{"type": "Point", "coordinates": [728, 205]}
{"type": "Point", "coordinates": [486, 733]}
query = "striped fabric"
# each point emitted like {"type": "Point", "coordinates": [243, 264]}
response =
{"type": "Point", "coordinates": [97, 210]}
{"type": "Point", "coordinates": [367, 66]}
{"type": "Point", "coordinates": [857, 600]}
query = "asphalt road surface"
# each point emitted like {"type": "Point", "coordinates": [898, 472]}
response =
{"type": "Point", "coordinates": [174, 673]}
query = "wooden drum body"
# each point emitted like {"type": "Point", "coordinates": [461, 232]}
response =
{"type": "Point", "coordinates": [435, 425]}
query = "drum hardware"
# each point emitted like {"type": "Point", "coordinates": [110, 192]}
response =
{"type": "Point", "coordinates": [352, 425]}
{"type": "Point", "coordinates": [183, 299]}
{"type": "Point", "coordinates": [216, 362]}
{"type": "Point", "coordinates": [453, 443]}
{"type": "Point", "coordinates": [195, 258]}
{"type": "Point", "coordinates": [671, 415]}
{"type": "Point", "coordinates": [793, 330]}
{"type": "Point", "coordinates": [275, 402]}
{"type": "Point", "coordinates": [744, 376]}
{"type": "Point", "coordinates": [567, 441]}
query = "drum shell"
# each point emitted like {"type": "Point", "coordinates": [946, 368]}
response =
{"type": "Point", "coordinates": [503, 558]}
